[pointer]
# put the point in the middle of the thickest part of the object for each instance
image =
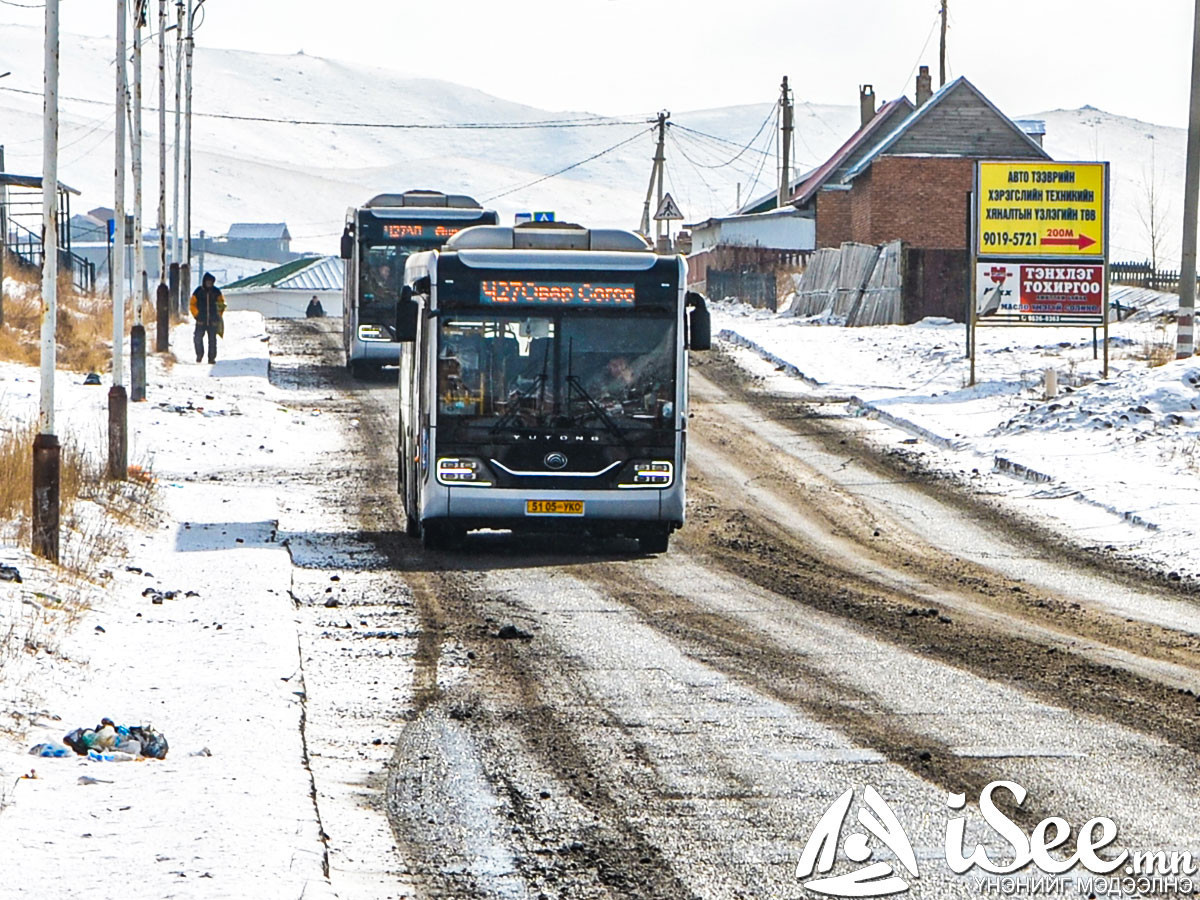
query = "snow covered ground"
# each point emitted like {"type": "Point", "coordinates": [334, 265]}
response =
{"type": "Point", "coordinates": [215, 666]}
{"type": "Point", "coordinates": [1109, 462]}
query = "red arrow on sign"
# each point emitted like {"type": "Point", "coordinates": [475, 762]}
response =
{"type": "Point", "coordinates": [1082, 241]}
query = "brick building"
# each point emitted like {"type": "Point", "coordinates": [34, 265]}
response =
{"type": "Point", "coordinates": [909, 178]}
{"type": "Point", "coordinates": [912, 185]}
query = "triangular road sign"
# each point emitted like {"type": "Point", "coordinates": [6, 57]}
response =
{"type": "Point", "coordinates": [667, 210]}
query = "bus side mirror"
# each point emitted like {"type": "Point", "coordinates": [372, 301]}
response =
{"type": "Point", "coordinates": [699, 322]}
{"type": "Point", "coordinates": [408, 316]}
{"type": "Point", "coordinates": [347, 244]}
{"type": "Point", "coordinates": [421, 285]}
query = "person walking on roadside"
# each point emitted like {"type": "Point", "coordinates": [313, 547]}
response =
{"type": "Point", "coordinates": [208, 309]}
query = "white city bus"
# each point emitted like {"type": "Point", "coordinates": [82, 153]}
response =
{"type": "Point", "coordinates": [543, 384]}
{"type": "Point", "coordinates": [377, 240]}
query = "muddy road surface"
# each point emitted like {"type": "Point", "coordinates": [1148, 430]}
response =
{"type": "Point", "coordinates": [575, 719]}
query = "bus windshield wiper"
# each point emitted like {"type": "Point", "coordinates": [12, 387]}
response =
{"type": "Point", "coordinates": [575, 386]}
{"type": "Point", "coordinates": [538, 387]}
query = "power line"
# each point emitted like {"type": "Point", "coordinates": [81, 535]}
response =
{"type": "Point", "coordinates": [713, 137]}
{"type": "Point", "coordinates": [736, 156]}
{"type": "Point", "coordinates": [584, 122]}
{"type": "Point", "coordinates": [23, 5]}
{"type": "Point", "coordinates": [567, 168]}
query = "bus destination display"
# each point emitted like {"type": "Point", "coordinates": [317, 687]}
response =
{"type": "Point", "coordinates": [557, 293]}
{"type": "Point", "coordinates": [398, 232]}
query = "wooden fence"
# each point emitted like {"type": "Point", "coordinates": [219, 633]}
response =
{"type": "Point", "coordinates": [1143, 274]}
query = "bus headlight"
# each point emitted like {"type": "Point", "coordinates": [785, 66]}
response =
{"type": "Point", "coordinates": [659, 473]}
{"type": "Point", "coordinates": [373, 333]}
{"type": "Point", "coordinates": [460, 471]}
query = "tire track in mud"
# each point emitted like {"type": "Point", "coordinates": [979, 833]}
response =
{"type": "Point", "coordinates": [764, 554]}
{"type": "Point", "coordinates": [752, 658]}
{"type": "Point", "coordinates": [818, 498]}
{"type": "Point", "coordinates": [576, 840]}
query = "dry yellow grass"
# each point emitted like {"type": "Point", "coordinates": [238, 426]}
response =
{"type": "Point", "coordinates": [84, 327]}
{"type": "Point", "coordinates": [86, 541]}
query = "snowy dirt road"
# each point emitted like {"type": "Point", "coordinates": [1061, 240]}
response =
{"type": "Point", "coordinates": [675, 726]}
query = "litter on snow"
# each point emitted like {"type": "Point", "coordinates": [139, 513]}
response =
{"type": "Point", "coordinates": [109, 742]}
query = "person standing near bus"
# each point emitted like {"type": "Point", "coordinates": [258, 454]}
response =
{"type": "Point", "coordinates": [208, 309]}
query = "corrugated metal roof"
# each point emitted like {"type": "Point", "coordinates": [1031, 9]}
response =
{"type": "Point", "coordinates": [309, 273]}
{"type": "Point", "coordinates": [259, 231]}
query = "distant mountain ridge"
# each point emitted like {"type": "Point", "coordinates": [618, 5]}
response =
{"type": "Point", "coordinates": [307, 175]}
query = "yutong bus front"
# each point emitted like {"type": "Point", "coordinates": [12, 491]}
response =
{"type": "Point", "coordinates": [555, 386]}
{"type": "Point", "coordinates": [377, 240]}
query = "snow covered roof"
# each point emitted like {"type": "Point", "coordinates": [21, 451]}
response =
{"type": "Point", "coordinates": [309, 273]}
{"type": "Point", "coordinates": [259, 231]}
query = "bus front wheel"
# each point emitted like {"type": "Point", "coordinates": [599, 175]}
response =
{"type": "Point", "coordinates": [358, 369]}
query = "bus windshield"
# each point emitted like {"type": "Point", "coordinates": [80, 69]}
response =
{"type": "Point", "coordinates": [590, 372]}
{"type": "Point", "coordinates": [381, 274]}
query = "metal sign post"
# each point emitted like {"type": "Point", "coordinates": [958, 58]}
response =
{"type": "Point", "coordinates": [1039, 246]}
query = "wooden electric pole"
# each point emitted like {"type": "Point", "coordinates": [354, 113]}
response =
{"type": "Point", "coordinates": [656, 175]}
{"type": "Point", "coordinates": [785, 175]}
{"type": "Point", "coordinates": [942, 51]}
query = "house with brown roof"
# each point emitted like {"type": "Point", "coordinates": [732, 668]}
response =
{"type": "Point", "coordinates": [910, 181]}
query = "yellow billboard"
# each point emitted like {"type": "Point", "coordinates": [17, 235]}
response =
{"type": "Point", "coordinates": [1033, 209]}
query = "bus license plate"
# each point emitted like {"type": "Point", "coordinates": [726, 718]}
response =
{"type": "Point", "coordinates": [554, 507]}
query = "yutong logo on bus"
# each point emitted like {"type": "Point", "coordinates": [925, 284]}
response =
{"type": "Point", "coordinates": [565, 438]}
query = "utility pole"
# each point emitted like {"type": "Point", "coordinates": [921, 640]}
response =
{"type": "Point", "coordinates": [185, 275]}
{"type": "Point", "coordinates": [118, 440]}
{"type": "Point", "coordinates": [46, 458]}
{"type": "Point", "coordinates": [655, 173]}
{"type": "Point", "coordinates": [3, 233]}
{"type": "Point", "coordinates": [177, 245]}
{"type": "Point", "coordinates": [1185, 344]}
{"type": "Point", "coordinates": [137, 335]}
{"type": "Point", "coordinates": [162, 298]}
{"type": "Point", "coordinates": [942, 51]}
{"type": "Point", "coordinates": [785, 177]}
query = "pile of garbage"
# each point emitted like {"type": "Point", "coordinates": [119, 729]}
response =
{"type": "Point", "coordinates": [109, 742]}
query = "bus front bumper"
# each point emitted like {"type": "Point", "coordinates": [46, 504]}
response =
{"type": "Point", "coordinates": [612, 511]}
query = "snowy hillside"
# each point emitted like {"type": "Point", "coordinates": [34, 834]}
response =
{"type": "Point", "coordinates": [307, 175]}
{"type": "Point", "coordinates": [1140, 152]}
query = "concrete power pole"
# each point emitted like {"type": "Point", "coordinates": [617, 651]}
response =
{"type": "Point", "coordinates": [46, 460]}
{"type": "Point", "coordinates": [163, 296]}
{"type": "Point", "coordinates": [118, 440]}
{"type": "Point", "coordinates": [185, 274]}
{"type": "Point", "coordinates": [655, 174]}
{"type": "Point", "coordinates": [137, 335]}
{"type": "Point", "coordinates": [176, 241]}
{"type": "Point", "coordinates": [1185, 342]}
{"type": "Point", "coordinates": [785, 176]}
{"type": "Point", "coordinates": [942, 51]}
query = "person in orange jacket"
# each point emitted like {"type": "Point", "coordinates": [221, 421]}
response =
{"type": "Point", "coordinates": [208, 309]}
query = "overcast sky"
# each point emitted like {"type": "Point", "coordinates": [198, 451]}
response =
{"type": "Point", "coordinates": [625, 56]}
